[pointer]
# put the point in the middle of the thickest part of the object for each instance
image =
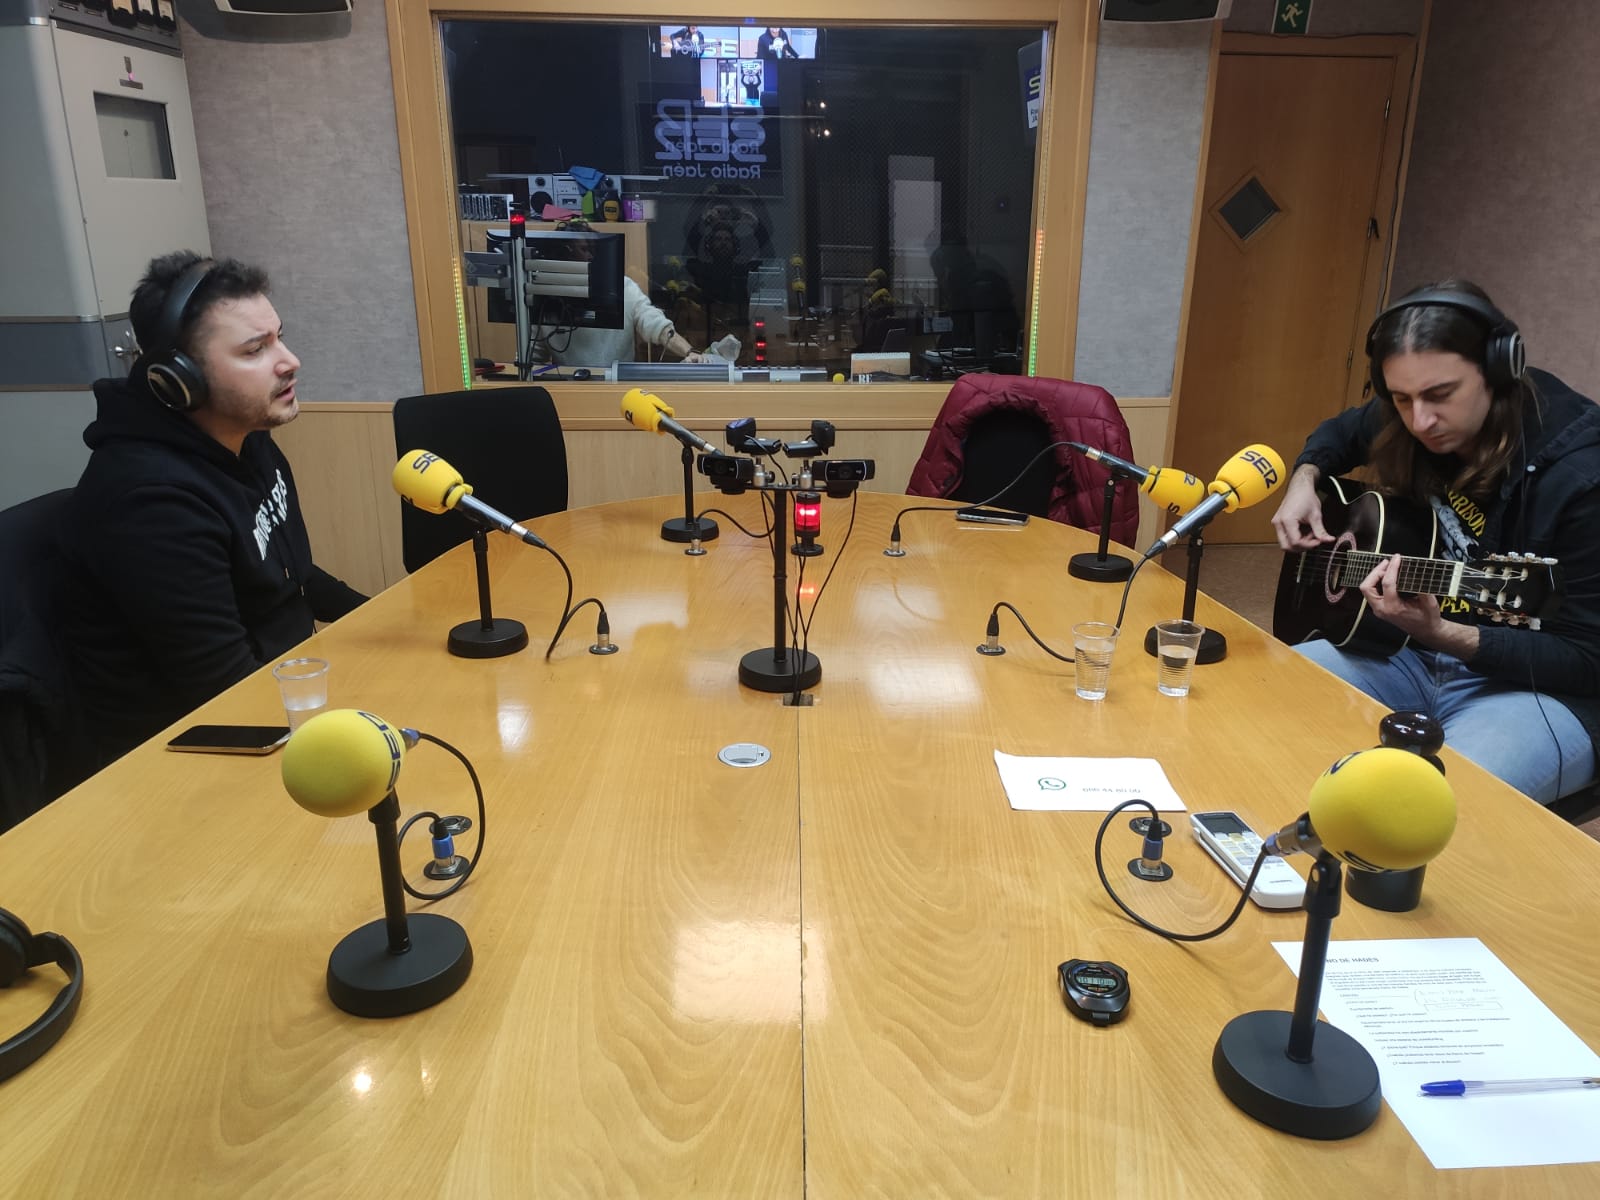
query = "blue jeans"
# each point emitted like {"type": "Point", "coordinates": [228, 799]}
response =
{"type": "Point", "coordinates": [1532, 742]}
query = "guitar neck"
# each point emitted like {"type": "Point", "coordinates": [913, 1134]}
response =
{"type": "Point", "coordinates": [1425, 576]}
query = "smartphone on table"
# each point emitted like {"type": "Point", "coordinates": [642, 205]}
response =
{"type": "Point", "coordinates": [230, 739]}
{"type": "Point", "coordinates": [991, 516]}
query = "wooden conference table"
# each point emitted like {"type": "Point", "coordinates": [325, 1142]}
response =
{"type": "Point", "coordinates": [831, 975]}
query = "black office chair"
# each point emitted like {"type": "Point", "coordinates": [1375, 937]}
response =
{"type": "Point", "coordinates": [1580, 807]}
{"type": "Point", "coordinates": [506, 442]}
{"type": "Point", "coordinates": [999, 443]}
{"type": "Point", "coordinates": [39, 754]}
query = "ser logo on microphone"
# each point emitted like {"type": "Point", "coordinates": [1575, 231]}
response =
{"type": "Point", "coordinates": [1263, 465]}
{"type": "Point", "coordinates": [423, 461]}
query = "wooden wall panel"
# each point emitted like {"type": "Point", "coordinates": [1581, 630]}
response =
{"type": "Point", "coordinates": [343, 455]}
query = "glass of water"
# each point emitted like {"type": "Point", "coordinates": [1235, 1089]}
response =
{"type": "Point", "coordinates": [1093, 643]}
{"type": "Point", "coordinates": [1177, 646]}
{"type": "Point", "coordinates": [304, 684]}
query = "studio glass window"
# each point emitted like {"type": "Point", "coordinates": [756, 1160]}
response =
{"type": "Point", "coordinates": [804, 199]}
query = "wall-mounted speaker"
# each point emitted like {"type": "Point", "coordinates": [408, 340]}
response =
{"type": "Point", "coordinates": [283, 8]}
{"type": "Point", "coordinates": [1161, 10]}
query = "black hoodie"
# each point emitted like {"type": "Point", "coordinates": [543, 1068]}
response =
{"type": "Point", "coordinates": [185, 568]}
{"type": "Point", "coordinates": [1548, 504]}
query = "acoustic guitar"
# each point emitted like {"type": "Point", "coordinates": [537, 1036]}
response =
{"type": "Point", "coordinates": [1319, 590]}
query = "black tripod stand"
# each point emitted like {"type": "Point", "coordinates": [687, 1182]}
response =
{"type": "Point", "coordinates": [780, 668]}
{"type": "Point", "coordinates": [1101, 566]}
{"type": "Point", "coordinates": [688, 527]}
{"type": "Point", "coordinates": [1213, 645]}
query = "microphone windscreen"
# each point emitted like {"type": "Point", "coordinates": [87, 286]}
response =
{"type": "Point", "coordinates": [644, 410]}
{"type": "Point", "coordinates": [1249, 476]}
{"type": "Point", "coordinates": [1174, 490]}
{"type": "Point", "coordinates": [342, 762]}
{"type": "Point", "coordinates": [428, 482]}
{"type": "Point", "coordinates": [1382, 809]}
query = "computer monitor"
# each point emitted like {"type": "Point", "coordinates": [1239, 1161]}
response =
{"type": "Point", "coordinates": [574, 279]}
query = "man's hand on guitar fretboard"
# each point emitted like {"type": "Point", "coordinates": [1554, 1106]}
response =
{"type": "Point", "coordinates": [1332, 590]}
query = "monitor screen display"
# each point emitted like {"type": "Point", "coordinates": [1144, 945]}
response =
{"type": "Point", "coordinates": [736, 81]}
{"type": "Point", "coordinates": [575, 279]}
{"type": "Point", "coordinates": [698, 41]}
{"type": "Point", "coordinates": [775, 43]}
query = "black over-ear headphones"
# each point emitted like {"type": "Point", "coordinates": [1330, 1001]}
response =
{"type": "Point", "coordinates": [1505, 358]}
{"type": "Point", "coordinates": [175, 378]}
{"type": "Point", "coordinates": [20, 950]}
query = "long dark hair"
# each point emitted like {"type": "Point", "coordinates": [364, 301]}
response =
{"type": "Point", "coordinates": [1401, 463]}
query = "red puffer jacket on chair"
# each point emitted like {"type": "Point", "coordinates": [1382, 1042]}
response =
{"type": "Point", "coordinates": [1073, 412]}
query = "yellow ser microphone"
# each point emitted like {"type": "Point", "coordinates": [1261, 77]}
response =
{"type": "Point", "coordinates": [646, 410]}
{"type": "Point", "coordinates": [344, 761]}
{"type": "Point", "coordinates": [424, 479]}
{"type": "Point", "coordinates": [1383, 809]}
{"type": "Point", "coordinates": [1245, 479]}
{"type": "Point", "coordinates": [1174, 490]}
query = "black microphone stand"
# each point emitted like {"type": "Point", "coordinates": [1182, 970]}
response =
{"type": "Point", "coordinates": [1102, 567]}
{"type": "Point", "coordinates": [779, 669]}
{"type": "Point", "coordinates": [1264, 1061]}
{"type": "Point", "coordinates": [489, 636]}
{"type": "Point", "coordinates": [688, 527]}
{"type": "Point", "coordinates": [1213, 645]}
{"type": "Point", "coordinates": [399, 964]}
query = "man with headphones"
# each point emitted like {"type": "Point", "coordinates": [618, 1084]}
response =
{"type": "Point", "coordinates": [1508, 459]}
{"type": "Point", "coordinates": [186, 563]}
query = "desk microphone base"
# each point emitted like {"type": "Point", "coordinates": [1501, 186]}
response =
{"type": "Point", "coordinates": [1213, 645]}
{"type": "Point", "coordinates": [763, 671]}
{"type": "Point", "coordinates": [1335, 1095]}
{"type": "Point", "coordinates": [503, 636]}
{"type": "Point", "coordinates": [366, 980]}
{"type": "Point", "coordinates": [1100, 568]}
{"type": "Point", "coordinates": [684, 529]}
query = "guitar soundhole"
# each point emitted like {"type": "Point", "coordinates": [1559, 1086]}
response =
{"type": "Point", "coordinates": [1332, 590]}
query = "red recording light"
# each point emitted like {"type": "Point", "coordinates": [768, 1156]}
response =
{"type": "Point", "coordinates": [807, 523]}
{"type": "Point", "coordinates": [519, 224]}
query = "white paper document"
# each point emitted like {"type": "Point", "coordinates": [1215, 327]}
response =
{"type": "Point", "coordinates": [1436, 1009]}
{"type": "Point", "coordinates": [1084, 784]}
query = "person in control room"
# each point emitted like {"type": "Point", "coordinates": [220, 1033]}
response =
{"type": "Point", "coordinates": [1508, 459]}
{"type": "Point", "coordinates": [643, 324]}
{"type": "Point", "coordinates": [186, 562]}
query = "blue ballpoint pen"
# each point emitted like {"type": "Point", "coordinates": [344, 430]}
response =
{"type": "Point", "coordinates": [1505, 1087]}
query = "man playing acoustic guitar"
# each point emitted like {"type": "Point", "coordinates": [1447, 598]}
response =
{"type": "Point", "coordinates": [1508, 460]}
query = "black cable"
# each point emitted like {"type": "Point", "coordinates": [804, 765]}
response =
{"type": "Point", "coordinates": [805, 621]}
{"type": "Point", "coordinates": [927, 508]}
{"type": "Point", "coordinates": [1021, 474]}
{"type": "Point", "coordinates": [1100, 868]}
{"type": "Point", "coordinates": [960, 504]}
{"type": "Point", "coordinates": [572, 612]}
{"type": "Point", "coordinates": [767, 532]}
{"type": "Point", "coordinates": [568, 609]}
{"type": "Point", "coordinates": [1122, 610]}
{"type": "Point", "coordinates": [477, 788]}
{"type": "Point", "coordinates": [1538, 701]}
{"type": "Point", "coordinates": [796, 642]}
{"type": "Point", "coordinates": [855, 500]}
{"type": "Point", "coordinates": [994, 624]}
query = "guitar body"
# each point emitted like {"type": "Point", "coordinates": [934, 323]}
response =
{"type": "Point", "coordinates": [1319, 594]}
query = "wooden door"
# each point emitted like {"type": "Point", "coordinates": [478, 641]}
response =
{"type": "Point", "coordinates": [1290, 248]}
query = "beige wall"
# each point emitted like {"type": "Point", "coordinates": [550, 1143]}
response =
{"type": "Point", "coordinates": [1505, 169]}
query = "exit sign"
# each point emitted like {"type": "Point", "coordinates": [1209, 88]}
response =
{"type": "Point", "coordinates": [1291, 16]}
